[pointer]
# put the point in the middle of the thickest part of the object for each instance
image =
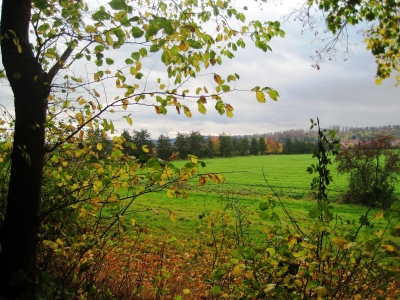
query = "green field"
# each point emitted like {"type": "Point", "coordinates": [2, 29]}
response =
{"type": "Point", "coordinates": [285, 173]}
{"type": "Point", "coordinates": [244, 183]}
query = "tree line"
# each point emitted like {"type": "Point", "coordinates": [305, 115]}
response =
{"type": "Point", "coordinates": [194, 143]}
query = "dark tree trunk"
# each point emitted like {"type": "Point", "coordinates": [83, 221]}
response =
{"type": "Point", "coordinates": [19, 230]}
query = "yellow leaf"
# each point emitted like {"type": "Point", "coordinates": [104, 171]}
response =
{"type": "Point", "coordinates": [19, 47]}
{"type": "Point", "coordinates": [99, 146]}
{"type": "Point", "coordinates": [349, 245]}
{"type": "Point", "coordinates": [217, 78]}
{"type": "Point", "coordinates": [138, 65]}
{"type": "Point", "coordinates": [322, 291]}
{"type": "Point", "coordinates": [170, 193]}
{"type": "Point", "coordinates": [379, 215]}
{"type": "Point", "coordinates": [379, 232]}
{"type": "Point", "coordinates": [98, 39]}
{"type": "Point", "coordinates": [201, 108]}
{"type": "Point", "coordinates": [249, 274]}
{"type": "Point", "coordinates": [90, 29]}
{"type": "Point", "coordinates": [145, 148]}
{"type": "Point", "coordinates": [341, 242]}
{"type": "Point", "coordinates": [133, 71]}
{"type": "Point", "coordinates": [49, 55]}
{"type": "Point", "coordinates": [187, 111]}
{"type": "Point", "coordinates": [129, 120]}
{"type": "Point", "coordinates": [260, 97]}
{"type": "Point", "coordinates": [172, 216]}
{"type": "Point", "coordinates": [298, 282]}
{"type": "Point", "coordinates": [109, 40]}
{"type": "Point", "coordinates": [113, 198]}
{"type": "Point", "coordinates": [81, 132]}
{"type": "Point", "coordinates": [186, 291]}
{"type": "Point", "coordinates": [133, 222]}
{"type": "Point", "coordinates": [269, 287]}
{"type": "Point", "coordinates": [51, 244]}
{"type": "Point", "coordinates": [60, 242]}
{"type": "Point", "coordinates": [155, 211]}
{"type": "Point", "coordinates": [96, 93]}
{"type": "Point", "coordinates": [389, 248]}
{"type": "Point", "coordinates": [238, 270]}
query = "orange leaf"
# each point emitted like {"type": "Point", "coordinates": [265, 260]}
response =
{"type": "Point", "coordinates": [202, 180]}
{"type": "Point", "coordinates": [217, 78]}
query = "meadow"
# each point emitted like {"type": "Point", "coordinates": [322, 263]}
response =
{"type": "Point", "coordinates": [245, 185]}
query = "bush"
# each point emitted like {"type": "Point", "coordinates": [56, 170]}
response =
{"type": "Point", "coordinates": [373, 168]}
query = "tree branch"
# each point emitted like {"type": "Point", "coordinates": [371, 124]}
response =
{"type": "Point", "coordinates": [60, 63]}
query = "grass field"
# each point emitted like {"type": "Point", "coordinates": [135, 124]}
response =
{"type": "Point", "coordinates": [245, 183]}
{"type": "Point", "coordinates": [285, 173]}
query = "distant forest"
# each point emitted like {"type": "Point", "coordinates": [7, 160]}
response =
{"type": "Point", "coordinates": [297, 141]}
{"type": "Point", "coordinates": [343, 133]}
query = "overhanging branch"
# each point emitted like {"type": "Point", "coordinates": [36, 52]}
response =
{"type": "Point", "coordinates": [60, 63]}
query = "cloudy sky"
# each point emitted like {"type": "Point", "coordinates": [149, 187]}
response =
{"type": "Point", "coordinates": [340, 93]}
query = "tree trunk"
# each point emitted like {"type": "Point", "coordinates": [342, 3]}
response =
{"type": "Point", "coordinates": [30, 85]}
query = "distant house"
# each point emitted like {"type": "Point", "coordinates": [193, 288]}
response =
{"type": "Point", "coordinates": [395, 143]}
{"type": "Point", "coordinates": [346, 144]}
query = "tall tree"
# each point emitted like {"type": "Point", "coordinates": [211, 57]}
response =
{"type": "Point", "coordinates": [288, 147]}
{"type": "Point", "coordinates": [244, 146]}
{"type": "Point", "coordinates": [254, 148]}
{"type": "Point", "coordinates": [164, 147]}
{"type": "Point", "coordinates": [262, 146]}
{"type": "Point", "coordinates": [129, 146]}
{"type": "Point", "coordinates": [181, 146]}
{"type": "Point", "coordinates": [210, 148]}
{"type": "Point", "coordinates": [142, 138]}
{"type": "Point", "coordinates": [225, 145]}
{"type": "Point", "coordinates": [50, 96]}
{"type": "Point", "coordinates": [196, 144]}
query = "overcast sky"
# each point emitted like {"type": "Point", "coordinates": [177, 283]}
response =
{"type": "Point", "coordinates": [340, 93]}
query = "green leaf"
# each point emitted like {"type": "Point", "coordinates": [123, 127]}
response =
{"type": "Point", "coordinates": [190, 165]}
{"type": "Point", "coordinates": [137, 32]}
{"type": "Point", "coordinates": [153, 28]}
{"type": "Point", "coordinates": [314, 213]}
{"type": "Point", "coordinates": [217, 274]}
{"type": "Point", "coordinates": [128, 61]}
{"type": "Point", "coordinates": [117, 4]}
{"type": "Point", "coordinates": [273, 95]}
{"type": "Point", "coordinates": [171, 239]}
{"type": "Point", "coordinates": [226, 88]}
{"type": "Point", "coordinates": [135, 55]}
{"type": "Point", "coordinates": [155, 48]}
{"type": "Point", "coordinates": [194, 44]}
{"type": "Point", "coordinates": [143, 52]}
{"type": "Point", "coordinates": [101, 15]}
{"type": "Point", "coordinates": [109, 61]}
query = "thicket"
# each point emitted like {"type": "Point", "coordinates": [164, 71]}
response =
{"type": "Point", "coordinates": [374, 168]}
